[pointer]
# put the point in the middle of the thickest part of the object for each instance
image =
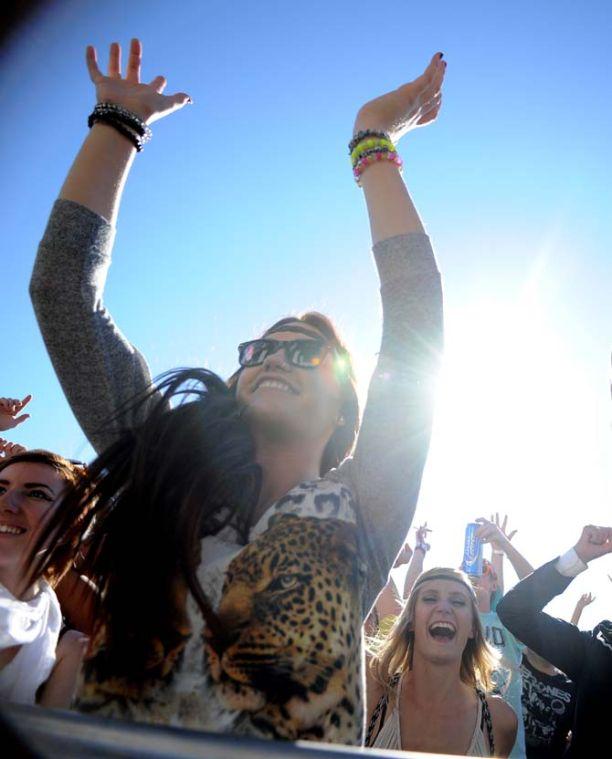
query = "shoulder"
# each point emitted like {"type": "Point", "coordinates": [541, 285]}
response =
{"type": "Point", "coordinates": [505, 724]}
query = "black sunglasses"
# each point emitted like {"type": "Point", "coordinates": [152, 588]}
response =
{"type": "Point", "coordinates": [305, 354]}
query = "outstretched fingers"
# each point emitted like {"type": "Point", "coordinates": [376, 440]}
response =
{"type": "Point", "coordinates": [134, 61]}
{"type": "Point", "coordinates": [91, 59]}
{"type": "Point", "coordinates": [158, 84]}
{"type": "Point", "coordinates": [114, 61]}
{"type": "Point", "coordinates": [178, 101]}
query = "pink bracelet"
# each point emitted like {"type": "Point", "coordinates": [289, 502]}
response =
{"type": "Point", "coordinates": [367, 160]}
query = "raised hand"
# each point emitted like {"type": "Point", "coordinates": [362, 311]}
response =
{"type": "Point", "coordinates": [495, 531]}
{"type": "Point", "coordinates": [8, 449]}
{"type": "Point", "coordinates": [586, 599]}
{"type": "Point", "coordinates": [145, 100]}
{"type": "Point", "coordinates": [410, 106]}
{"type": "Point", "coordinates": [403, 556]}
{"type": "Point", "coordinates": [9, 408]}
{"type": "Point", "coordinates": [594, 542]}
{"type": "Point", "coordinates": [421, 537]}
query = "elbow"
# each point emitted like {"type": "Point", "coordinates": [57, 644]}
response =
{"type": "Point", "coordinates": [508, 611]}
{"type": "Point", "coordinates": [40, 284]}
{"type": "Point", "coordinates": [505, 611]}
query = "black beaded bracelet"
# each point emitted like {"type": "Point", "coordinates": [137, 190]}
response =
{"type": "Point", "coordinates": [106, 118]}
{"type": "Point", "coordinates": [129, 118]}
{"type": "Point", "coordinates": [366, 133]}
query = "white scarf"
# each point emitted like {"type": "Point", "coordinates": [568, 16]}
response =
{"type": "Point", "coordinates": [35, 626]}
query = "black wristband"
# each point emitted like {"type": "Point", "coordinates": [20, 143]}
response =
{"type": "Point", "coordinates": [106, 118]}
{"type": "Point", "coordinates": [129, 118]}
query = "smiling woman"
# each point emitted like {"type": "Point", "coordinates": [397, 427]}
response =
{"type": "Point", "coordinates": [429, 681]}
{"type": "Point", "coordinates": [264, 516]}
{"type": "Point", "coordinates": [31, 484]}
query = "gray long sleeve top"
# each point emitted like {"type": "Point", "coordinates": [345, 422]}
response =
{"type": "Point", "coordinates": [100, 370]}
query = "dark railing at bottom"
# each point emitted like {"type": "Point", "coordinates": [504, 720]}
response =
{"type": "Point", "coordinates": [29, 731]}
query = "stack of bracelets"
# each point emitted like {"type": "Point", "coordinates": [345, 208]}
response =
{"type": "Point", "coordinates": [127, 123]}
{"type": "Point", "coordinates": [369, 146]}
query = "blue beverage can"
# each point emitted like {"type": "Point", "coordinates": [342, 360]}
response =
{"type": "Point", "coordinates": [472, 551]}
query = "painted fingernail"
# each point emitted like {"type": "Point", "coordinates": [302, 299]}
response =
{"type": "Point", "coordinates": [441, 55]}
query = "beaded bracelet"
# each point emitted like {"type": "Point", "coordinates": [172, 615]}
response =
{"type": "Point", "coordinates": [372, 151]}
{"type": "Point", "coordinates": [366, 133]}
{"type": "Point", "coordinates": [126, 122]}
{"type": "Point", "coordinates": [363, 164]}
{"type": "Point", "coordinates": [370, 143]}
{"type": "Point", "coordinates": [106, 118]}
{"type": "Point", "coordinates": [129, 118]}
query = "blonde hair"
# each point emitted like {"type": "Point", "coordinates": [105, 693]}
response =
{"type": "Point", "coordinates": [393, 655]}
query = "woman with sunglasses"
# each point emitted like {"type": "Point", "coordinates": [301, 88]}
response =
{"type": "Point", "coordinates": [36, 664]}
{"type": "Point", "coordinates": [429, 680]}
{"type": "Point", "coordinates": [253, 528]}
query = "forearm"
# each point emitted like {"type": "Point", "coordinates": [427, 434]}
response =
{"type": "Point", "coordinates": [497, 562]}
{"type": "Point", "coordinates": [519, 563]}
{"type": "Point", "coordinates": [59, 690]}
{"type": "Point", "coordinates": [415, 568]}
{"type": "Point", "coordinates": [577, 614]}
{"type": "Point", "coordinates": [388, 603]}
{"type": "Point", "coordinates": [97, 177]}
{"type": "Point", "coordinates": [77, 601]}
{"type": "Point", "coordinates": [390, 207]}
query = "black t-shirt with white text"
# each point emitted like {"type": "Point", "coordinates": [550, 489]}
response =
{"type": "Point", "coordinates": [548, 706]}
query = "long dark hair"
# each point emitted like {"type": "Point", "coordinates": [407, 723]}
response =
{"type": "Point", "coordinates": [136, 520]}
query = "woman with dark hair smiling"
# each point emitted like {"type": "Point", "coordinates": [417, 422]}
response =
{"type": "Point", "coordinates": [256, 515]}
{"type": "Point", "coordinates": [33, 665]}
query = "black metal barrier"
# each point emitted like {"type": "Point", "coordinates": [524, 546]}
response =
{"type": "Point", "coordinates": [29, 731]}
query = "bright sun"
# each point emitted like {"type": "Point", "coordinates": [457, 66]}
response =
{"type": "Point", "coordinates": [508, 405]}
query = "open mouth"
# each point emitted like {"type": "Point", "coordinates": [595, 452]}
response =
{"type": "Point", "coordinates": [442, 631]}
{"type": "Point", "coordinates": [275, 384]}
{"type": "Point", "coordinates": [10, 529]}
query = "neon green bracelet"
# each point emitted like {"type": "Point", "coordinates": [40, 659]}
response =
{"type": "Point", "coordinates": [368, 144]}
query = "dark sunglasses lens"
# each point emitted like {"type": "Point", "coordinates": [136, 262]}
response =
{"type": "Point", "coordinates": [253, 353]}
{"type": "Point", "coordinates": [306, 353]}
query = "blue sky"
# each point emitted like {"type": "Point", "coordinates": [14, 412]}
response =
{"type": "Point", "coordinates": [242, 209]}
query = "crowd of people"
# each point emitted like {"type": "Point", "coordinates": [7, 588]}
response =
{"type": "Point", "coordinates": [221, 561]}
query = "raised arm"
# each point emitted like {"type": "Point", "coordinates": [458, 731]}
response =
{"type": "Point", "coordinates": [556, 640]}
{"type": "Point", "coordinates": [495, 531]}
{"type": "Point", "coordinates": [415, 568]}
{"type": "Point", "coordinates": [386, 469]}
{"type": "Point", "coordinates": [98, 368]}
{"type": "Point", "coordinates": [585, 600]}
{"type": "Point", "coordinates": [412, 105]}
